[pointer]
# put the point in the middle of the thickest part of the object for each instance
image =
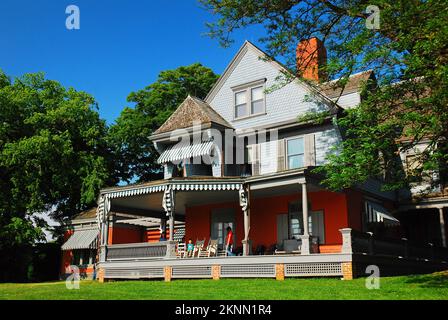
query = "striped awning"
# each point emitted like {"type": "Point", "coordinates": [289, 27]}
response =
{"type": "Point", "coordinates": [377, 213]}
{"type": "Point", "coordinates": [82, 239]}
{"type": "Point", "coordinates": [179, 152]}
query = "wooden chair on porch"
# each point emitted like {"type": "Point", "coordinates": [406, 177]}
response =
{"type": "Point", "coordinates": [181, 251]}
{"type": "Point", "coordinates": [211, 250]}
{"type": "Point", "coordinates": [198, 247]}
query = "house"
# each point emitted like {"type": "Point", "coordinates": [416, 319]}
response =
{"type": "Point", "coordinates": [241, 159]}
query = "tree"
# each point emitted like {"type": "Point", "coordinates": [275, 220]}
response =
{"type": "Point", "coordinates": [408, 53]}
{"type": "Point", "coordinates": [53, 157]}
{"type": "Point", "coordinates": [136, 157]}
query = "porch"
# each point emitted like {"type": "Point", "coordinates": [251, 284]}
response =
{"type": "Point", "coordinates": [359, 250]}
{"type": "Point", "coordinates": [259, 204]}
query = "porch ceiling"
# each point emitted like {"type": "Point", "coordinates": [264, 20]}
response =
{"type": "Point", "coordinates": [151, 204]}
{"type": "Point", "coordinates": [282, 190]}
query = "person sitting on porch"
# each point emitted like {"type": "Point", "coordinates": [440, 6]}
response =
{"type": "Point", "coordinates": [229, 242]}
{"type": "Point", "coordinates": [190, 248]}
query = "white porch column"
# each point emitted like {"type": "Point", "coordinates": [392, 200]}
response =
{"type": "Point", "coordinates": [442, 227]}
{"type": "Point", "coordinates": [245, 206]}
{"type": "Point", "coordinates": [171, 222]}
{"type": "Point", "coordinates": [104, 228]}
{"type": "Point", "coordinates": [305, 247]}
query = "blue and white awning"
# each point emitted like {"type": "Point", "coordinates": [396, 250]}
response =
{"type": "Point", "coordinates": [179, 152]}
{"type": "Point", "coordinates": [377, 213]}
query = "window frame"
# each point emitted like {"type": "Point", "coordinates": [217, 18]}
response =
{"type": "Point", "coordinates": [247, 113]}
{"type": "Point", "coordinates": [286, 151]}
{"type": "Point", "coordinates": [247, 89]}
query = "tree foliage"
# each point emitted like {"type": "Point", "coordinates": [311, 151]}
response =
{"type": "Point", "coordinates": [408, 54]}
{"type": "Point", "coordinates": [53, 157]}
{"type": "Point", "coordinates": [153, 105]}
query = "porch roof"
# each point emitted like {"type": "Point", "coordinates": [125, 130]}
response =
{"type": "Point", "coordinates": [146, 199]}
{"type": "Point", "coordinates": [201, 183]}
{"type": "Point", "coordinates": [192, 110]}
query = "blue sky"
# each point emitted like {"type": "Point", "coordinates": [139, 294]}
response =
{"type": "Point", "coordinates": [121, 45]}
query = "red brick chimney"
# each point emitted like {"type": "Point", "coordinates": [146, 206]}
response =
{"type": "Point", "coordinates": [311, 56]}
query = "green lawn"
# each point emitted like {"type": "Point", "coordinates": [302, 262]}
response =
{"type": "Point", "coordinates": [433, 286]}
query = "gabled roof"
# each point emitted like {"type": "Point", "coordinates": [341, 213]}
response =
{"type": "Point", "coordinates": [354, 84]}
{"type": "Point", "coordinates": [250, 46]}
{"type": "Point", "coordinates": [192, 110]}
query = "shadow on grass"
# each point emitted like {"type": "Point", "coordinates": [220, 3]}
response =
{"type": "Point", "coordinates": [433, 280]}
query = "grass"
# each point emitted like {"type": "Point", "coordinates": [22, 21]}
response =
{"type": "Point", "coordinates": [434, 286]}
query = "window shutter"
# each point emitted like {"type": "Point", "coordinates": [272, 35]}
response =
{"type": "Point", "coordinates": [310, 153]}
{"type": "Point", "coordinates": [281, 155]}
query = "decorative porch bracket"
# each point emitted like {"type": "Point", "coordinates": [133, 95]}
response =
{"type": "Point", "coordinates": [245, 206]}
{"type": "Point", "coordinates": [168, 204]}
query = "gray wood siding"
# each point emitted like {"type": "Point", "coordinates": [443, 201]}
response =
{"type": "Point", "coordinates": [348, 101]}
{"type": "Point", "coordinates": [282, 104]}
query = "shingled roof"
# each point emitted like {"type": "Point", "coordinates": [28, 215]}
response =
{"type": "Point", "coordinates": [191, 110]}
{"type": "Point", "coordinates": [355, 81]}
{"type": "Point", "coordinates": [86, 214]}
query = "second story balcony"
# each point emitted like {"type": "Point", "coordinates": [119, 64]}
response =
{"type": "Point", "coordinates": [283, 154]}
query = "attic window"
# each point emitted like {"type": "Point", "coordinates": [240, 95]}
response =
{"type": "Point", "coordinates": [249, 99]}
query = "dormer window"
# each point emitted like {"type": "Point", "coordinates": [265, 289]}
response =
{"type": "Point", "coordinates": [249, 99]}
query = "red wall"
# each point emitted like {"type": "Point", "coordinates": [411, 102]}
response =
{"type": "Point", "coordinates": [66, 254]}
{"type": "Point", "coordinates": [264, 213]}
{"type": "Point", "coordinates": [198, 222]}
{"type": "Point", "coordinates": [119, 235]}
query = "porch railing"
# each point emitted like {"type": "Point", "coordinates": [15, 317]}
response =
{"type": "Point", "coordinates": [138, 251]}
{"type": "Point", "coordinates": [368, 243]}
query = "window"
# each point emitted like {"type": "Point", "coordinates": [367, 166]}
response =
{"type": "Point", "coordinates": [295, 220]}
{"type": "Point", "coordinates": [240, 104]}
{"type": "Point", "coordinates": [316, 226]}
{"type": "Point", "coordinates": [257, 100]}
{"type": "Point", "coordinates": [221, 219]}
{"type": "Point", "coordinates": [249, 101]}
{"type": "Point", "coordinates": [83, 256]}
{"type": "Point", "coordinates": [295, 153]}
